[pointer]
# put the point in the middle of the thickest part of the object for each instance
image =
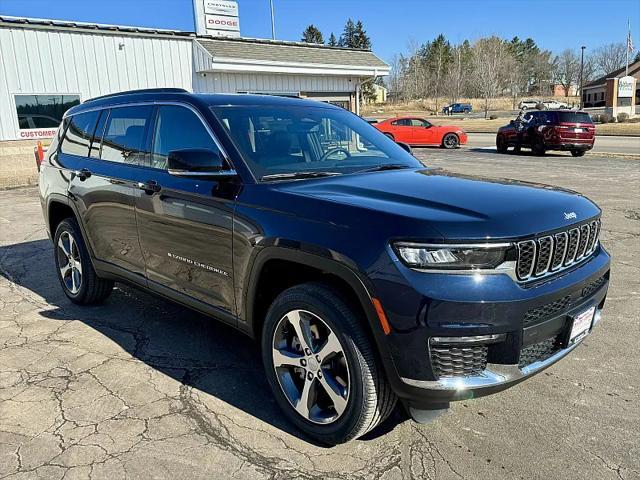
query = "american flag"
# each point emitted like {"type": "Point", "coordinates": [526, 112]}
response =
{"type": "Point", "coordinates": [629, 40]}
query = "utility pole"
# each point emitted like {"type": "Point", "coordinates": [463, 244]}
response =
{"type": "Point", "coordinates": [581, 73]}
{"type": "Point", "coordinates": [273, 22]}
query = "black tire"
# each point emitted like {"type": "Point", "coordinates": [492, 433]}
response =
{"type": "Point", "coordinates": [465, 111]}
{"type": "Point", "coordinates": [450, 141]}
{"type": "Point", "coordinates": [370, 400]}
{"type": "Point", "coordinates": [92, 289]}
{"type": "Point", "coordinates": [501, 144]}
{"type": "Point", "coordinates": [538, 147]}
{"type": "Point", "coordinates": [578, 153]}
{"type": "Point", "coordinates": [390, 136]}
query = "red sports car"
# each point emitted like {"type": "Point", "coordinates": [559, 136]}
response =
{"type": "Point", "coordinates": [419, 132]}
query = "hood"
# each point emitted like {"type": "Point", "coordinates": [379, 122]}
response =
{"type": "Point", "coordinates": [457, 206]}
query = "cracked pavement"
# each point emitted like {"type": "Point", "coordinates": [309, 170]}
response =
{"type": "Point", "coordinates": [142, 388]}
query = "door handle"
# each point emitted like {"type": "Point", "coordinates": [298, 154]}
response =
{"type": "Point", "coordinates": [150, 186]}
{"type": "Point", "coordinates": [82, 174]}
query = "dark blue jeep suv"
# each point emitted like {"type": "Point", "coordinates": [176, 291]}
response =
{"type": "Point", "coordinates": [365, 276]}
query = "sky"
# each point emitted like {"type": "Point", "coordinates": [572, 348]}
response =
{"type": "Point", "coordinates": [391, 24]}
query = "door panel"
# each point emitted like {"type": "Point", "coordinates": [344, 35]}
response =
{"type": "Point", "coordinates": [402, 131]}
{"type": "Point", "coordinates": [103, 194]}
{"type": "Point", "coordinates": [185, 226]}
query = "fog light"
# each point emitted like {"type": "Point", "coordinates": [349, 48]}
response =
{"type": "Point", "coordinates": [471, 340]}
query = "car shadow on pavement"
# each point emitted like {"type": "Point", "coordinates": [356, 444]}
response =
{"type": "Point", "coordinates": [194, 349]}
{"type": "Point", "coordinates": [522, 153]}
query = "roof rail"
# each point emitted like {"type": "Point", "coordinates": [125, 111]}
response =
{"type": "Point", "coordinates": [144, 90]}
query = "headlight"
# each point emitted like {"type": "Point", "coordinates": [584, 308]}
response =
{"type": "Point", "coordinates": [453, 257]}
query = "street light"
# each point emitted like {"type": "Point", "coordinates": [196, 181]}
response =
{"type": "Point", "coordinates": [581, 73]}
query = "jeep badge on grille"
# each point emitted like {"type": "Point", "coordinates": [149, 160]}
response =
{"type": "Point", "coordinates": [570, 215]}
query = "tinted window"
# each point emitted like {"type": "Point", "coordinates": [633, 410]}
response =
{"type": "Point", "coordinates": [94, 151]}
{"type": "Point", "coordinates": [177, 128]}
{"type": "Point", "coordinates": [79, 133]}
{"type": "Point", "coordinates": [403, 122]}
{"type": "Point", "coordinates": [43, 111]}
{"type": "Point", "coordinates": [574, 117]}
{"type": "Point", "coordinates": [416, 122]}
{"type": "Point", "coordinates": [125, 133]}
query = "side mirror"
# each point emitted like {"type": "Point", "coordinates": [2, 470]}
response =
{"type": "Point", "coordinates": [198, 162]}
{"type": "Point", "coordinates": [404, 146]}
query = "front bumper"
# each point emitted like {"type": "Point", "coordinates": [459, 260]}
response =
{"type": "Point", "coordinates": [462, 306]}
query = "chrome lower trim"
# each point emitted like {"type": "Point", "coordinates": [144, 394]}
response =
{"type": "Point", "coordinates": [496, 374]}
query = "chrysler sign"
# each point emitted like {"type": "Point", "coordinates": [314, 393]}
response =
{"type": "Point", "coordinates": [626, 87]}
{"type": "Point", "coordinates": [221, 7]}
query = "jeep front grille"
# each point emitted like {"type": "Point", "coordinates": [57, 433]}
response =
{"type": "Point", "coordinates": [552, 253]}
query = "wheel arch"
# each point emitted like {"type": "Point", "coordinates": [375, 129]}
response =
{"type": "Point", "coordinates": [308, 267]}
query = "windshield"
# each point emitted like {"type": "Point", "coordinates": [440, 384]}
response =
{"type": "Point", "coordinates": [289, 139]}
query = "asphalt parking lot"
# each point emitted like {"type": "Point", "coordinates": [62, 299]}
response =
{"type": "Point", "coordinates": [141, 388]}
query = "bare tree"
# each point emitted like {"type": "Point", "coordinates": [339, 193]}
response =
{"type": "Point", "coordinates": [489, 75]}
{"type": "Point", "coordinates": [566, 69]}
{"type": "Point", "coordinates": [610, 57]}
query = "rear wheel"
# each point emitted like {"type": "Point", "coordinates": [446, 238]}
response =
{"type": "Point", "coordinates": [466, 110]}
{"type": "Point", "coordinates": [501, 144]}
{"type": "Point", "coordinates": [450, 140]}
{"type": "Point", "coordinates": [538, 147]}
{"type": "Point", "coordinates": [390, 136]}
{"type": "Point", "coordinates": [321, 365]}
{"type": "Point", "coordinates": [75, 272]}
{"type": "Point", "coordinates": [578, 153]}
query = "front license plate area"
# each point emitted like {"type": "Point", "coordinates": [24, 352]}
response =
{"type": "Point", "coordinates": [581, 325]}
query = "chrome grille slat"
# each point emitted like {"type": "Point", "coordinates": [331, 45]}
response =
{"type": "Point", "coordinates": [572, 246]}
{"type": "Point", "coordinates": [545, 253]}
{"type": "Point", "coordinates": [548, 254]}
{"type": "Point", "coordinates": [582, 244]}
{"type": "Point", "coordinates": [560, 250]}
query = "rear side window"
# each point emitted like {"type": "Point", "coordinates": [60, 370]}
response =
{"type": "Point", "coordinates": [574, 117]}
{"type": "Point", "coordinates": [124, 135]}
{"type": "Point", "coordinates": [77, 137]}
{"type": "Point", "coordinates": [178, 128]}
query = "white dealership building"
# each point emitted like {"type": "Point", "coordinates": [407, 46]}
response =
{"type": "Point", "coordinates": [49, 65]}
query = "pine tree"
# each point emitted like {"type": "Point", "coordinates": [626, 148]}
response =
{"type": "Point", "coordinates": [361, 39]}
{"type": "Point", "coordinates": [347, 39]}
{"type": "Point", "coordinates": [333, 42]}
{"type": "Point", "coordinates": [312, 35]}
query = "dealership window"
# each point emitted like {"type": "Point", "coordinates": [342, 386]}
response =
{"type": "Point", "coordinates": [43, 111]}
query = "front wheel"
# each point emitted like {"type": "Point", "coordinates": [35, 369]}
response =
{"type": "Point", "coordinates": [321, 365]}
{"type": "Point", "coordinates": [578, 153]}
{"type": "Point", "coordinates": [450, 141]}
{"type": "Point", "coordinates": [501, 144]}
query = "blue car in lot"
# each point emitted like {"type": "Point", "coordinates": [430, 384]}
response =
{"type": "Point", "coordinates": [457, 108]}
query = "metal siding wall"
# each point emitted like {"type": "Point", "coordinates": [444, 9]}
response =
{"type": "Point", "coordinates": [89, 64]}
{"type": "Point", "coordinates": [219, 82]}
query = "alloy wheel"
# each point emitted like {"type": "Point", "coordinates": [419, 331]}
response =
{"type": "Point", "coordinates": [69, 262]}
{"type": "Point", "coordinates": [311, 367]}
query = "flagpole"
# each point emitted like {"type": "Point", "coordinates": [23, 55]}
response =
{"type": "Point", "coordinates": [626, 70]}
